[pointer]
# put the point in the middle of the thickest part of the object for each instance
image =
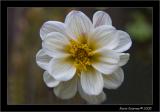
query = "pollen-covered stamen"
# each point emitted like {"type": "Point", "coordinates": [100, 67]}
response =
{"type": "Point", "coordinates": [81, 54]}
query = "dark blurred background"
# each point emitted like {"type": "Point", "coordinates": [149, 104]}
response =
{"type": "Point", "coordinates": [25, 83]}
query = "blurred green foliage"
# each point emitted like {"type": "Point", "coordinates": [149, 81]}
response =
{"type": "Point", "coordinates": [140, 28]}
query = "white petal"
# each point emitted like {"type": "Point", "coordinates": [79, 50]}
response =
{"type": "Point", "coordinates": [114, 80]}
{"type": "Point", "coordinates": [109, 56]}
{"type": "Point", "coordinates": [124, 41]}
{"type": "Point", "coordinates": [51, 26]}
{"type": "Point", "coordinates": [92, 82]}
{"type": "Point", "coordinates": [66, 90]}
{"type": "Point", "coordinates": [124, 57]}
{"type": "Point", "coordinates": [78, 23]}
{"type": "Point", "coordinates": [107, 62]}
{"type": "Point", "coordinates": [49, 80]}
{"type": "Point", "coordinates": [91, 99]}
{"type": "Point", "coordinates": [61, 70]}
{"type": "Point", "coordinates": [42, 59]}
{"type": "Point", "coordinates": [101, 18]}
{"type": "Point", "coordinates": [54, 44]}
{"type": "Point", "coordinates": [105, 37]}
{"type": "Point", "coordinates": [104, 67]}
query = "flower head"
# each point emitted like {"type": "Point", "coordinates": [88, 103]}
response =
{"type": "Point", "coordinates": [79, 55]}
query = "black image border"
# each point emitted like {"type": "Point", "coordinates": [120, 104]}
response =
{"type": "Point", "coordinates": [6, 4]}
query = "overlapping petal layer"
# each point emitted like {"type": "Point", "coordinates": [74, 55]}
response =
{"type": "Point", "coordinates": [103, 47]}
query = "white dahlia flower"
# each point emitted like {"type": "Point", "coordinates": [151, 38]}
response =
{"type": "Point", "coordinates": [80, 56]}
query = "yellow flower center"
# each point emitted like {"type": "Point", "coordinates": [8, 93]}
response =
{"type": "Point", "coordinates": [81, 53]}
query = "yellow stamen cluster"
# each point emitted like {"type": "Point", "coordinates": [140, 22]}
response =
{"type": "Point", "coordinates": [81, 54]}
